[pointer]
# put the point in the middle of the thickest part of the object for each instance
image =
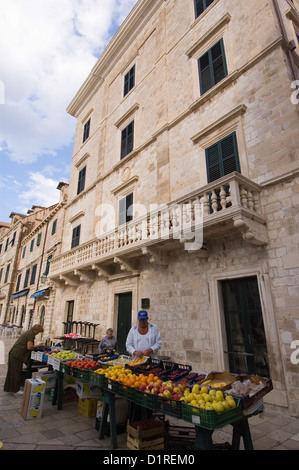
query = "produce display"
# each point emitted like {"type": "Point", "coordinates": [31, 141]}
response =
{"type": "Point", "coordinates": [83, 364]}
{"type": "Point", "coordinates": [138, 361]}
{"type": "Point", "coordinates": [71, 335]}
{"type": "Point", "coordinates": [62, 355]}
{"type": "Point", "coordinates": [206, 399]}
{"type": "Point", "coordinates": [172, 388]}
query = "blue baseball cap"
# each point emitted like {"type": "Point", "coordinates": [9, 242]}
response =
{"type": "Point", "coordinates": [142, 315]}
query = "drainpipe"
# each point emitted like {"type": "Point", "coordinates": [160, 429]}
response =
{"type": "Point", "coordinates": [278, 13]}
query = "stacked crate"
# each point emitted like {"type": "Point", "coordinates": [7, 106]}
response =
{"type": "Point", "coordinates": [145, 435]}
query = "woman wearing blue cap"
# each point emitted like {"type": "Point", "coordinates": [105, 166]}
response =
{"type": "Point", "coordinates": [143, 339]}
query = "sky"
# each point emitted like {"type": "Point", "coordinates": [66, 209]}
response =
{"type": "Point", "coordinates": [47, 50]}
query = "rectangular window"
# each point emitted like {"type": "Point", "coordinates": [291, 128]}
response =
{"type": "Point", "coordinates": [48, 265]}
{"type": "Point", "coordinates": [24, 252]}
{"type": "Point", "coordinates": [81, 180]}
{"type": "Point", "coordinates": [1, 272]}
{"type": "Point", "coordinates": [86, 131]}
{"type": "Point", "coordinates": [129, 81]}
{"type": "Point", "coordinates": [6, 244]}
{"type": "Point", "coordinates": [54, 225]}
{"type": "Point", "coordinates": [0, 248]}
{"type": "Point", "coordinates": [18, 282]}
{"type": "Point", "coordinates": [222, 158]}
{"type": "Point", "coordinates": [125, 209]}
{"type": "Point", "coordinates": [212, 67]}
{"type": "Point", "coordinates": [76, 236]}
{"type": "Point", "coordinates": [7, 273]}
{"type": "Point", "coordinates": [127, 140]}
{"type": "Point", "coordinates": [13, 239]}
{"type": "Point", "coordinates": [38, 240]}
{"type": "Point", "coordinates": [26, 278]}
{"type": "Point", "coordinates": [33, 274]}
{"type": "Point", "coordinates": [201, 6]}
{"type": "Point", "coordinates": [32, 245]}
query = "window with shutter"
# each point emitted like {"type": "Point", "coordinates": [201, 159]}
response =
{"type": "Point", "coordinates": [127, 140]}
{"type": "Point", "coordinates": [222, 158]}
{"type": "Point", "coordinates": [39, 237]}
{"type": "Point", "coordinates": [212, 67]}
{"type": "Point", "coordinates": [18, 282]}
{"type": "Point", "coordinates": [86, 131]}
{"type": "Point", "coordinates": [125, 211]}
{"type": "Point", "coordinates": [201, 6]}
{"type": "Point", "coordinates": [76, 236]}
{"type": "Point", "coordinates": [26, 278]}
{"type": "Point", "coordinates": [33, 274]}
{"type": "Point", "coordinates": [81, 180]}
{"type": "Point", "coordinates": [129, 81]}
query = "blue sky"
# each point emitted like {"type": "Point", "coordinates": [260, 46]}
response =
{"type": "Point", "coordinates": [47, 49]}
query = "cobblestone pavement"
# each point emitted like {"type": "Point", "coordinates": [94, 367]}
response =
{"type": "Point", "coordinates": [66, 429]}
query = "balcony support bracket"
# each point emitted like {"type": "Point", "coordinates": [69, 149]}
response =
{"type": "Point", "coordinates": [84, 276]}
{"type": "Point", "coordinates": [155, 256]}
{"type": "Point", "coordinates": [124, 265]}
{"type": "Point", "coordinates": [252, 231]}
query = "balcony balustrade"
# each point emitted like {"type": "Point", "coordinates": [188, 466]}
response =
{"type": "Point", "coordinates": [229, 205]}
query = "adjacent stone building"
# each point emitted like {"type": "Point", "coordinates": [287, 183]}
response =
{"type": "Point", "coordinates": [183, 195]}
{"type": "Point", "coordinates": [29, 243]}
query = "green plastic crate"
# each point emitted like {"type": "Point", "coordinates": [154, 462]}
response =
{"type": "Point", "coordinates": [209, 419]}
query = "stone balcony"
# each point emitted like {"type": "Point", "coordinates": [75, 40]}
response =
{"type": "Point", "coordinates": [228, 206]}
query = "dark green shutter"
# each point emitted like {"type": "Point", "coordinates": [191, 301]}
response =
{"type": "Point", "coordinates": [222, 158]}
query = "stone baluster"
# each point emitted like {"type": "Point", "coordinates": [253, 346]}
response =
{"type": "Point", "coordinates": [256, 202]}
{"type": "Point", "coordinates": [214, 201]}
{"type": "Point", "coordinates": [250, 202]}
{"type": "Point", "coordinates": [223, 201]}
{"type": "Point", "coordinates": [206, 204]}
{"type": "Point", "coordinates": [243, 194]}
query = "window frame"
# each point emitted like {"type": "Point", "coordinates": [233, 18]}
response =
{"type": "Point", "coordinates": [205, 6]}
{"type": "Point", "coordinates": [86, 130]}
{"type": "Point", "coordinates": [127, 202]}
{"type": "Point", "coordinates": [129, 80]}
{"type": "Point", "coordinates": [81, 181]}
{"type": "Point", "coordinates": [222, 158]}
{"type": "Point", "coordinates": [210, 68]}
{"type": "Point", "coordinates": [127, 140]}
{"type": "Point", "coordinates": [33, 274]}
{"type": "Point", "coordinates": [76, 236]}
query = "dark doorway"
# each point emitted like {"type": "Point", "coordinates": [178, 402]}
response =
{"type": "Point", "coordinates": [246, 340]}
{"type": "Point", "coordinates": [124, 319]}
{"type": "Point", "coordinates": [69, 317]}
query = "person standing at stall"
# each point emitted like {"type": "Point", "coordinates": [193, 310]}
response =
{"type": "Point", "coordinates": [109, 342]}
{"type": "Point", "coordinates": [144, 339]}
{"type": "Point", "coordinates": [19, 355]}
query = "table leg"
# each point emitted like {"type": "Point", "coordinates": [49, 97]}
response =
{"type": "Point", "coordinates": [109, 407]}
{"type": "Point", "coordinates": [203, 439]}
{"type": "Point", "coordinates": [57, 397]}
{"type": "Point", "coordinates": [241, 429]}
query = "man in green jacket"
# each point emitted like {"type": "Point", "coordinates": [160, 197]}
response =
{"type": "Point", "coordinates": [19, 355]}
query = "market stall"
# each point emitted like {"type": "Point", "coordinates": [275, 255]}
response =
{"type": "Point", "coordinates": [205, 401]}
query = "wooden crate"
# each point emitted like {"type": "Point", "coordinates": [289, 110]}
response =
{"type": "Point", "coordinates": [151, 438]}
{"type": "Point", "coordinates": [137, 430]}
{"type": "Point", "coordinates": [145, 444]}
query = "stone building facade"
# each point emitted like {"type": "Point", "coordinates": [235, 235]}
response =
{"type": "Point", "coordinates": [183, 195]}
{"type": "Point", "coordinates": [29, 243]}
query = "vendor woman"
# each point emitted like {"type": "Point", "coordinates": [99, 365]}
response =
{"type": "Point", "coordinates": [108, 343]}
{"type": "Point", "coordinates": [144, 339]}
{"type": "Point", "coordinates": [19, 355]}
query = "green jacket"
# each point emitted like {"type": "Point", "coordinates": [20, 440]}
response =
{"type": "Point", "coordinates": [19, 350]}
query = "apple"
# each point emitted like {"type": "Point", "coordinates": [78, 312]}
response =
{"type": "Point", "coordinates": [142, 388]}
{"type": "Point", "coordinates": [150, 387]}
{"type": "Point", "coordinates": [167, 394]}
{"type": "Point", "coordinates": [176, 390]}
{"type": "Point", "coordinates": [155, 391]}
